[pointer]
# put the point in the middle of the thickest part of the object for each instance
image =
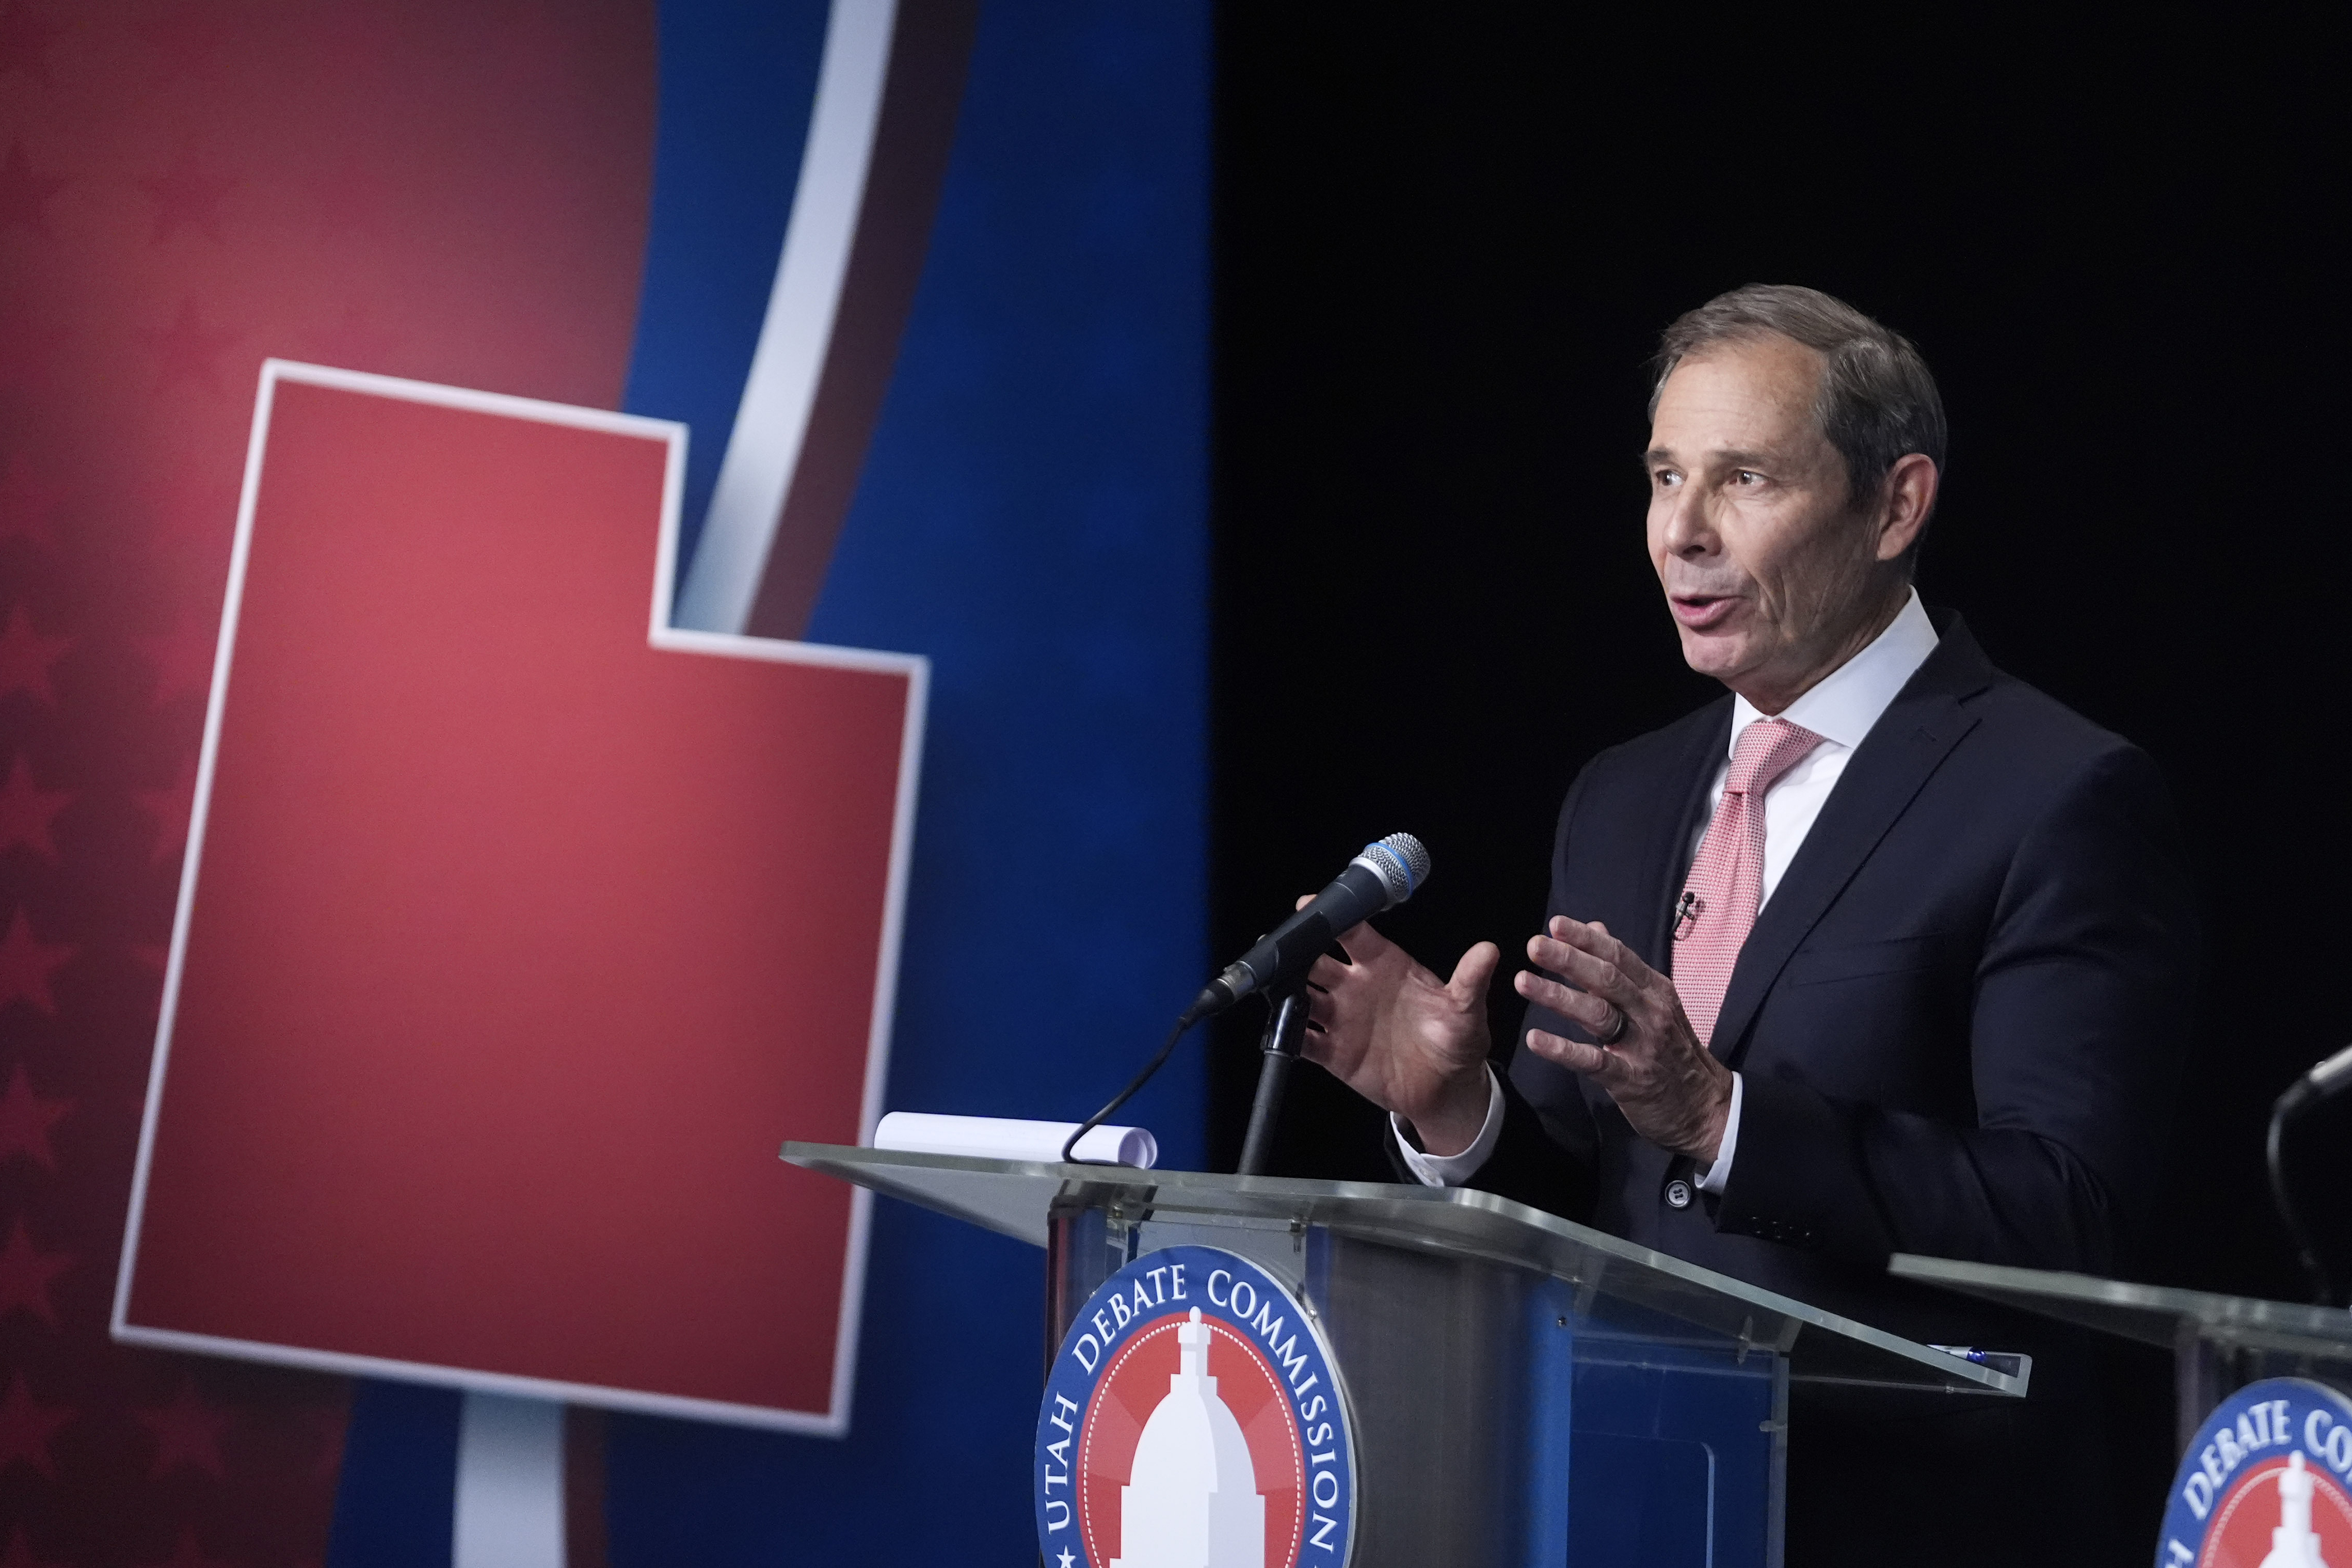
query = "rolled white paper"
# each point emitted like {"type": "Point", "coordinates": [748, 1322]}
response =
{"type": "Point", "coordinates": [1008, 1138]}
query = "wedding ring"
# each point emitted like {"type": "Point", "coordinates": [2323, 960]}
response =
{"type": "Point", "coordinates": [1616, 1030]}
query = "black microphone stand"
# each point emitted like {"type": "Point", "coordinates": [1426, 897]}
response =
{"type": "Point", "coordinates": [1278, 1047]}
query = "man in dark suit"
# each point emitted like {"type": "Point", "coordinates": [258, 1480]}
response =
{"type": "Point", "coordinates": [1883, 952]}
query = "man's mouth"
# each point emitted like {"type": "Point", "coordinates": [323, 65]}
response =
{"type": "Point", "coordinates": [1702, 612]}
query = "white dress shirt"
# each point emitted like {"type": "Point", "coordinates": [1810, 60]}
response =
{"type": "Point", "coordinates": [1841, 708]}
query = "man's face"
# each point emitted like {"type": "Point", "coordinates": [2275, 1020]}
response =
{"type": "Point", "coordinates": [1774, 579]}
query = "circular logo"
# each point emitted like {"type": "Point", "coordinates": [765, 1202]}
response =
{"type": "Point", "coordinates": [2266, 1483]}
{"type": "Point", "coordinates": [1194, 1416]}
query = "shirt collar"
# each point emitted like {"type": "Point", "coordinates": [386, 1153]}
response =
{"type": "Point", "coordinates": [1843, 704]}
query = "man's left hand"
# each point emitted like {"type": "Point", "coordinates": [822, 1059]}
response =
{"type": "Point", "coordinates": [1673, 1091]}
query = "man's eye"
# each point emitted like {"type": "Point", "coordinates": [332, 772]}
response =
{"type": "Point", "coordinates": [1748, 477]}
{"type": "Point", "coordinates": [1664, 478]}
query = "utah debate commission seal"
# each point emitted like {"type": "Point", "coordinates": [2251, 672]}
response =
{"type": "Point", "coordinates": [1194, 1416]}
{"type": "Point", "coordinates": [2266, 1483]}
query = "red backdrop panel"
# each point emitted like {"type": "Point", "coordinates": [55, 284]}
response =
{"type": "Point", "coordinates": [516, 945]}
{"type": "Point", "coordinates": [456, 190]}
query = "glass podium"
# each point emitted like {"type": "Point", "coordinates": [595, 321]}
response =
{"type": "Point", "coordinates": [1525, 1390]}
{"type": "Point", "coordinates": [2219, 1343]}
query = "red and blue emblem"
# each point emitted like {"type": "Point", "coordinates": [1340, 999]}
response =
{"type": "Point", "coordinates": [1194, 1416]}
{"type": "Point", "coordinates": [2266, 1483]}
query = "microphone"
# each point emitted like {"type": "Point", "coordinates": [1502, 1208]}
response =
{"type": "Point", "coordinates": [2324, 1081]}
{"type": "Point", "coordinates": [1385, 874]}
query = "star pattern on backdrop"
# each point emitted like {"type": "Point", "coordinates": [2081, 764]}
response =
{"type": "Point", "coordinates": [187, 1432]}
{"type": "Point", "coordinates": [24, 37]}
{"type": "Point", "coordinates": [26, 1275]}
{"type": "Point", "coordinates": [28, 502]}
{"type": "Point", "coordinates": [188, 350]}
{"type": "Point", "coordinates": [187, 196]}
{"type": "Point", "coordinates": [23, 194]}
{"type": "Point", "coordinates": [24, 1121]}
{"type": "Point", "coordinates": [26, 963]}
{"type": "Point", "coordinates": [183, 658]}
{"type": "Point", "coordinates": [170, 808]}
{"type": "Point", "coordinates": [18, 1553]}
{"type": "Point", "coordinates": [26, 810]}
{"type": "Point", "coordinates": [25, 1427]}
{"type": "Point", "coordinates": [27, 656]}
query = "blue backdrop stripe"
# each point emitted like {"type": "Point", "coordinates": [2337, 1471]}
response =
{"type": "Point", "coordinates": [737, 83]}
{"type": "Point", "coordinates": [1033, 516]}
{"type": "Point", "coordinates": [399, 1473]}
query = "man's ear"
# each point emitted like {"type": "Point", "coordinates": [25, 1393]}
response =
{"type": "Point", "coordinates": [1908, 498]}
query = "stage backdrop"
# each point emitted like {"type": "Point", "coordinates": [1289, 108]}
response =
{"type": "Point", "coordinates": [587, 204]}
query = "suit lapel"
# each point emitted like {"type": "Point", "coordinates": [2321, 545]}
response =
{"type": "Point", "coordinates": [1666, 856]}
{"type": "Point", "coordinates": [1906, 745]}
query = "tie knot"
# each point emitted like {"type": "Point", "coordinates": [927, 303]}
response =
{"type": "Point", "coordinates": [1765, 750]}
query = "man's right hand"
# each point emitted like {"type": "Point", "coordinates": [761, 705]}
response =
{"type": "Point", "coordinates": [1402, 1039]}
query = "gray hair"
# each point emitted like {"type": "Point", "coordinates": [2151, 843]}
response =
{"type": "Point", "coordinates": [1877, 402]}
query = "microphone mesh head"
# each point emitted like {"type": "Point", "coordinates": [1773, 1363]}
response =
{"type": "Point", "coordinates": [1400, 863]}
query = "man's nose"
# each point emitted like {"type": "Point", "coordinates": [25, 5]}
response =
{"type": "Point", "coordinates": [1690, 529]}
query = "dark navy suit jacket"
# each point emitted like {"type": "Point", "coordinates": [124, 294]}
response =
{"type": "Point", "coordinates": [1960, 1017]}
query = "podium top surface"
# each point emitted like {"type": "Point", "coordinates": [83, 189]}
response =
{"type": "Point", "coordinates": [2154, 1314]}
{"type": "Point", "coordinates": [1016, 1197]}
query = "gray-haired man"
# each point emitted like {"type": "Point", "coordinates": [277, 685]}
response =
{"type": "Point", "coordinates": [1883, 951]}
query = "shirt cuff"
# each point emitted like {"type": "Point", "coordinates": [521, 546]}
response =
{"type": "Point", "coordinates": [1718, 1175]}
{"type": "Point", "coordinates": [1453, 1170]}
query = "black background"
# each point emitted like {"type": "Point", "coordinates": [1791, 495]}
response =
{"type": "Point", "coordinates": [1443, 255]}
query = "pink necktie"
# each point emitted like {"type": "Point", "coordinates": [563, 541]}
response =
{"type": "Point", "coordinates": [1726, 880]}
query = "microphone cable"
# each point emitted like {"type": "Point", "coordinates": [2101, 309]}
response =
{"type": "Point", "coordinates": [1167, 1048]}
{"type": "Point", "coordinates": [1384, 876]}
{"type": "Point", "coordinates": [2320, 1083]}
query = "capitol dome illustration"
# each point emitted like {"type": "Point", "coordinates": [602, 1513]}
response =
{"type": "Point", "coordinates": [1192, 1498]}
{"type": "Point", "coordinates": [2295, 1544]}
